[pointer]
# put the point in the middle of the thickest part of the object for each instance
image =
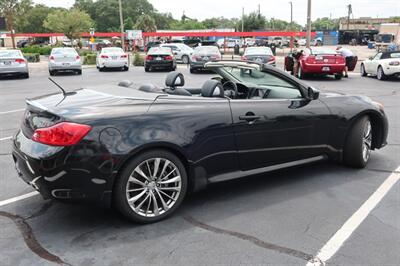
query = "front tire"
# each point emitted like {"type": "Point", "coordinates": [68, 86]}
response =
{"type": "Point", "coordinates": [362, 71]}
{"type": "Point", "coordinates": [151, 187]}
{"type": "Point", "coordinates": [380, 74]}
{"type": "Point", "coordinates": [358, 145]}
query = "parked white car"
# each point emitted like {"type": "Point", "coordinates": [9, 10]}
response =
{"type": "Point", "coordinates": [382, 65]}
{"type": "Point", "coordinates": [181, 51]}
{"type": "Point", "coordinates": [13, 62]}
{"type": "Point", "coordinates": [112, 57]}
{"type": "Point", "coordinates": [64, 59]}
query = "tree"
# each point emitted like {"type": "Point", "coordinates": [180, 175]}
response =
{"type": "Point", "coordinates": [10, 9]}
{"type": "Point", "coordinates": [70, 22]}
{"type": "Point", "coordinates": [32, 18]}
{"type": "Point", "coordinates": [252, 21]}
{"type": "Point", "coordinates": [145, 23]}
{"type": "Point", "coordinates": [219, 23]}
{"type": "Point", "coordinates": [163, 20]}
{"type": "Point", "coordinates": [325, 24]}
{"type": "Point", "coordinates": [188, 24]}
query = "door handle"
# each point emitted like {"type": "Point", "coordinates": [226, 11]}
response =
{"type": "Point", "coordinates": [249, 118]}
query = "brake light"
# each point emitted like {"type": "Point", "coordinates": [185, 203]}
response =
{"type": "Point", "coordinates": [310, 59]}
{"type": "Point", "coordinates": [124, 56]}
{"type": "Point", "coordinates": [104, 56]}
{"type": "Point", "coordinates": [149, 57]}
{"type": "Point", "coordinates": [272, 58]}
{"type": "Point", "coordinates": [340, 59]}
{"type": "Point", "coordinates": [168, 57]}
{"type": "Point", "coordinates": [394, 63]}
{"type": "Point", "coordinates": [62, 134]}
{"type": "Point", "coordinates": [244, 58]}
{"type": "Point", "coordinates": [21, 61]}
{"type": "Point", "coordinates": [77, 58]}
{"type": "Point", "coordinates": [51, 57]}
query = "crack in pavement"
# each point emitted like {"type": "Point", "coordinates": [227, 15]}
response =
{"type": "Point", "coordinates": [29, 237]}
{"type": "Point", "coordinates": [382, 170]}
{"type": "Point", "coordinates": [4, 154]}
{"type": "Point", "coordinates": [258, 242]}
{"type": "Point", "coordinates": [45, 207]}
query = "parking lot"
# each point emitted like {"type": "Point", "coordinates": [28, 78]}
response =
{"type": "Point", "coordinates": [281, 218]}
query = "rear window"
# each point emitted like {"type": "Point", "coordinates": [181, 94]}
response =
{"type": "Point", "coordinates": [395, 55]}
{"type": "Point", "coordinates": [112, 50]}
{"type": "Point", "coordinates": [68, 51]}
{"type": "Point", "coordinates": [9, 53]}
{"type": "Point", "coordinates": [206, 49]}
{"type": "Point", "coordinates": [164, 50]}
{"type": "Point", "coordinates": [258, 51]}
{"type": "Point", "coordinates": [322, 50]}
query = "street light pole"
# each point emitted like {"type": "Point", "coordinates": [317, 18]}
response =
{"type": "Point", "coordinates": [121, 21]}
{"type": "Point", "coordinates": [291, 25]}
{"type": "Point", "coordinates": [242, 19]}
{"type": "Point", "coordinates": [308, 24]}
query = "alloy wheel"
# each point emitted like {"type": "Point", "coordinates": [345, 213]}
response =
{"type": "Point", "coordinates": [379, 74]}
{"type": "Point", "coordinates": [153, 187]}
{"type": "Point", "coordinates": [367, 141]}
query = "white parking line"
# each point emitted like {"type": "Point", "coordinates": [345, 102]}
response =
{"type": "Point", "coordinates": [6, 138]}
{"type": "Point", "coordinates": [337, 240]}
{"type": "Point", "coordinates": [18, 198]}
{"type": "Point", "coordinates": [12, 111]}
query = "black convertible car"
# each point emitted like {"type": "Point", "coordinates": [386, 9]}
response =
{"type": "Point", "coordinates": [143, 149]}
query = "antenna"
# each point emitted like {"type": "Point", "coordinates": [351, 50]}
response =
{"type": "Point", "coordinates": [61, 88]}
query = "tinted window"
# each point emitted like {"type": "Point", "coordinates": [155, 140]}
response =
{"type": "Point", "coordinates": [258, 51]}
{"type": "Point", "coordinates": [10, 53]}
{"type": "Point", "coordinates": [322, 50]}
{"type": "Point", "coordinates": [112, 50]}
{"type": "Point", "coordinates": [66, 51]}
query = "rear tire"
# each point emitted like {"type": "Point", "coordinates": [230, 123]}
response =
{"type": "Point", "coordinates": [25, 75]}
{"type": "Point", "coordinates": [147, 69]}
{"type": "Point", "coordinates": [79, 72]}
{"type": "Point", "coordinates": [145, 195]}
{"type": "Point", "coordinates": [52, 72]}
{"type": "Point", "coordinates": [380, 74]}
{"type": "Point", "coordinates": [185, 59]}
{"type": "Point", "coordinates": [358, 144]}
{"type": "Point", "coordinates": [362, 71]}
{"type": "Point", "coordinates": [300, 73]}
{"type": "Point", "coordinates": [338, 76]}
{"type": "Point", "coordinates": [192, 70]}
{"type": "Point", "coordinates": [126, 68]}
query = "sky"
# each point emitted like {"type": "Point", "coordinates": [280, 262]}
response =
{"type": "Point", "coordinates": [201, 9]}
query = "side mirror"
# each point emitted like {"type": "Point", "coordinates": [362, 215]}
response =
{"type": "Point", "coordinates": [312, 94]}
{"type": "Point", "coordinates": [175, 53]}
{"type": "Point", "coordinates": [370, 58]}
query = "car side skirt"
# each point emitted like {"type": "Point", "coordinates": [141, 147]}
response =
{"type": "Point", "coordinates": [238, 174]}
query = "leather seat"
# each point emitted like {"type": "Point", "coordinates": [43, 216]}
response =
{"type": "Point", "coordinates": [173, 80]}
{"type": "Point", "coordinates": [150, 88]}
{"type": "Point", "coordinates": [212, 88]}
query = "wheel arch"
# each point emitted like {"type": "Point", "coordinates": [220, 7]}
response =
{"type": "Point", "coordinates": [377, 126]}
{"type": "Point", "coordinates": [169, 147]}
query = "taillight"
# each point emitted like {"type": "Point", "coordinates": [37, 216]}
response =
{"type": "Point", "coordinates": [272, 58]}
{"type": "Point", "coordinates": [149, 57]}
{"type": "Point", "coordinates": [77, 58]}
{"type": "Point", "coordinates": [244, 58]}
{"type": "Point", "coordinates": [51, 57]}
{"type": "Point", "coordinates": [310, 59]}
{"type": "Point", "coordinates": [20, 61]}
{"type": "Point", "coordinates": [104, 56]}
{"type": "Point", "coordinates": [168, 57]}
{"type": "Point", "coordinates": [124, 56]}
{"type": "Point", "coordinates": [394, 63]}
{"type": "Point", "coordinates": [62, 134]}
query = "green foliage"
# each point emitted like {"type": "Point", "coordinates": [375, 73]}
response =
{"type": "Point", "coordinates": [187, 25]}
{"type": "Point", "coordinates": [145, 23]}
{"type": "Point", "coordinates": [163, 20]}
{"type": "Point", "coordinates": [32, 19]}
{"type": "Point", "coordinates": [89, 59]}
{"type": "Point", "coordinates": [85, 52]}
{"type": "Point", "coordinates": [32, 57]}
{"type": "Point", "coordinates": [325, 24]}
{"type": "Point", "coordinates": [220, 22]}
{"type": "Point", "coordinates": [138, 60]}
{"type": "Point", "coordinates": [71, 22]}
{"type": "Point", "coordinates": [36, 49]}
{"type": "Point", "coordinates": [252, 21]}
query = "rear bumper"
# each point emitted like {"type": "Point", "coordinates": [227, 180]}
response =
{"type": "Point", "coordinates": [59, 173]}
{"type": "Point", "coordinates": [113, 63]}
{"type": "Point", "coordinates": [197, 65]}
{"type": "Point", "coordinates": [14, 70]}
{"type": "Point", "coordinates": [159, 64]}
{"type": "Point", "coordinates": [318, 68]}
{"type": "Point", "coordinates": [65, 66]}
{"type": "Point", "coordinates": [392, 70]}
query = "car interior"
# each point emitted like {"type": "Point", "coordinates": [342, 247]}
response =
{"type": "Point", "coordinates": [220, 87]}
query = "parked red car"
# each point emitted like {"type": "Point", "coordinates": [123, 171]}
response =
{"type": "Point", "coordinates": [318, 61]}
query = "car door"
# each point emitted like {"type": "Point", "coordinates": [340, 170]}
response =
{"type": "Point", "coordinates": [373, 65]}
{"type": "Point", "coordinates": [278, 128]}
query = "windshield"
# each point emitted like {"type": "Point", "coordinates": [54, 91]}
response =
{"type": "Point", "coordinates": [10, 53]}
{"type": "Point", "coordinates": [254, 76]}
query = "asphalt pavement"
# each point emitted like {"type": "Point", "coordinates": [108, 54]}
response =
{"type": "Point", "coordinates": [281, 218]}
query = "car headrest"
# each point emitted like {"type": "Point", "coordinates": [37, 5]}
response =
{"type": "Point", "coordinates": [212, 88]}
{"type": "Point", "coordinates": [150, 88]}
{"type": "Point", "coordinates": [125, 83]}
{"type": "Point", "coordinates": [175, 79]}
{"type": "Point", "coordinates": [177, 91]}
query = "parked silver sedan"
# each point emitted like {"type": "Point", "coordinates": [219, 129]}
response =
{"type": "Point", "coordinates": [64, 59]}
{"type": "Point", "coordinates": [12, 62]}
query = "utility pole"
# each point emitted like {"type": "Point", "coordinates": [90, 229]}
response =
{"type": "Point", "coordinates": [308, 24]}
{"type": "Point", "coordinates": [291, 25]}
{"type": "Point", "coordinates": [242, 19]}
{"type": "Point", "coordinates": [349, 12]}
{"type": "Point", "coordinates": [121, 21]}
